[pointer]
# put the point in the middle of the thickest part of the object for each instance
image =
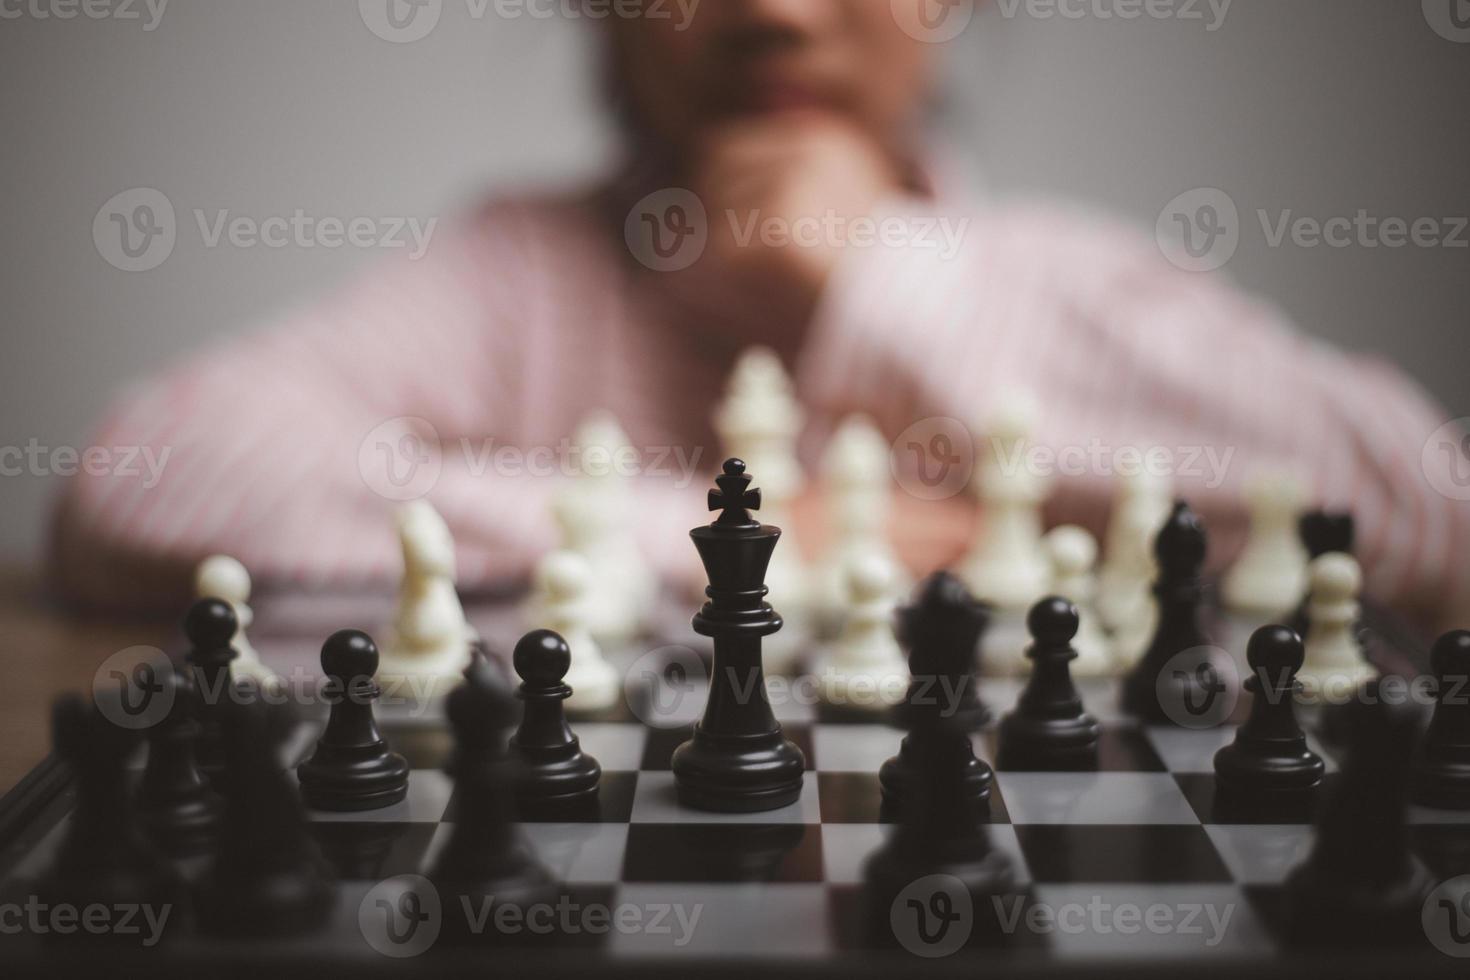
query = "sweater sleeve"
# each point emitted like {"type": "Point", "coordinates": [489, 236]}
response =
{"type": "Point", "coordinates": [1123, 352]}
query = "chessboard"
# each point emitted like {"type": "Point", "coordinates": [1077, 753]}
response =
{"type": "Point", "coordinates": [1129, 867]}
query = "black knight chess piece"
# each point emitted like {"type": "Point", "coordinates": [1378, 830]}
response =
{"type": "Point", "coordinates": [1442, 768]}
{"type": "Point", "coordinates": [554, 776]}
{"type": "Point", "coordinates": [178, 809]}
{"type": "Point", "coordinates": [1049, 730]}
{"type": "Point", "coordinates": [739, 760]}
{"type": "Point", "coordinates": [103, 858]}
{"type": "Point", "coordinates": [1269, 763]}
{"type": "Point", "coordinates": [1362, 884]}
{"type": "Point", "coordinates": [940, 630]}
{"type": "Point", "coordinates": [210, 627]}
{"type": "Point", "coordinates": [1182, 673]}
{"type": "Point", "coordinates": [486, 856]}
{"type": "Point", "coordinates": [269, 878]}
{"type": "Point", "coordinates": [352, 768]}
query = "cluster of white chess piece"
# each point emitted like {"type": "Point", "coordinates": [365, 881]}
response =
{"type": "Point", "coordinates": [597, 588]}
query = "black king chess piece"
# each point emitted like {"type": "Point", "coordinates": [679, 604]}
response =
{"type": "Point", "coordinates": [940, 631]}
{"type": "Point", "coordinates": [1181, 679]}
{"type": "Point", "coordinates": [1049, 730]}
{"type": "Point", "coordinates": [738, 761]}
{"type": "Point", "coordinates": [1442, 766]}
{"type": "Point", "coordinates": [555, 775]}
{"type": "Point", "coordinates": [352, 768]}
{"type": "Point", "coordinates": [1269, 762]}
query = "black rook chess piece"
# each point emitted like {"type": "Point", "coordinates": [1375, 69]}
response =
{"type": "Point", "coordinates": [179, 811]}
{"type": "Point", "coordinates": [1442, 768]}
{"type": "Point", "coordinates": [1161, 686]}
{"type": "Point", "coordinates": [210, 626]}
{"type": "Point", "coordinates": [103, 859]}
{"type": "Point", "coordinates": [1269, 759]}
{"type": "Point", "coordinates": [738, 760]}
{"type": "Point", "coordinates": [352, 768]}
{"type": "Point", "coordinates": [940, 631]}
{"type": "Point", "coordinates": [1049, 730]}
{"type": "Point", "coordinates": [554, 775]}
{"type": "Point", "coordinates": [1362, 884]}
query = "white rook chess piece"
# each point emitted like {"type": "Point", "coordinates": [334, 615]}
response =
{"type": "Point", "coordinates": [1073, 552]}
{"type": "Point", "coordinates": [563, 586]}
{"type": "Point", "coordinates": [866, 669]}
{"type": "Point", "coordinates": [859, 486]}
{"type": "Point", "coordinates": [759, 422]}
{"type": "Point", "coordinates": [430, 636]}
{"type": "Point", "coordinates": [223, 577]}
{"type": "Point", "coordinates": [1335, 661]}
{"type": "Point", "coordinates": [1271, 574]}
{"type": "Point", "coordinates": [595, 514]}
{"type": "Point", "coordinates": [1008, 566]}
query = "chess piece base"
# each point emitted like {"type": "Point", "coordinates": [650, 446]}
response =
{"type": "Point", "coordinates": [375, 783]}
{"type": "Point", "coordinates": [738, 773]}
{"type": "Point", "coordinates": [1442, 784]}
{"type": "Point", "coordinates": [1048, 744]}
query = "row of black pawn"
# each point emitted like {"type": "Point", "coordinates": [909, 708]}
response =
{"type": "Point", "coordinates": [216, 826]}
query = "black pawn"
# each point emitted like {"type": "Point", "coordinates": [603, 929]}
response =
{"type": "Point", "coordinates": [1442, 769]}
{"type": "Point", "coordinates": [268, 878]}
{"type": "Point", "coordinates": [554, 775]}
{"type": "Point", "coordinates": [1269, 760]}
{"type": "Point", "coordinates": [352, 768]}
{"type": "Point", "coordinates": [179, 811]}
{"type": "Point", "coordinates": [1362, 884]}
{"type": "Point", "coordinates": [210, 626]}
{"type": "Point", "coordinates": [940, 631]}
{"type": "Point", "coordinates": [486, 854]}
{"type": "Point", "coordinates": [1180, 549]}
{"type": "Point", "coordinates": [103, 859]}
{"type": "Point", "coordinates": [1049, 730]}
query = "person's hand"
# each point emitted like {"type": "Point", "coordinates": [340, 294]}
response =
{"type": "Point", "coordinates": [781, 196]}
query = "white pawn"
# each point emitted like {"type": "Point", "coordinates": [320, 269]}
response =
{"type": "Point", "coordinates": [430, 636]}
{"type": "Point", "coordinates": [223, 577]}
{"type": "Point", "coordinates": [859, 492]}
{"type": "Point", "coordinates": [759, 422]}
{"type": "Point", "coordinates": [563, 586]}
{"type": "Point", "coordinates": [1008, 566]}
{"type": "Point", "coordinates": [1073, 552]}
{"type": "Point", "coordinates": [1335, 662]}
{"type": "Point", "coordinates": [1271, 574]}
{"type": "Point", "coordinates": [597, 521]}
{"type": "Point", "coordinates": [866, 669]}
{"type": "Point", "coordinates": [1126, 578]}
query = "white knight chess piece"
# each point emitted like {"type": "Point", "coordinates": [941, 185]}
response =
{"type": "Point", "coordinates": [430, 636]}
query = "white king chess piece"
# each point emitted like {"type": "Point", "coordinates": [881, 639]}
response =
{"type": "Point", "coordinates": [1073, 552]}
{"type": "Point", "coordinates": [563, 581]}
{"type": "Point", "coordinates": [866, 670]}
{"type": "Point", "coordinates": [595, 513]}
{"type": "Point", "coordinates": [1336, 664]}
{"type": "Point", "coordinates": [1008, 565]}
{"type": "Point", "coordinates": [223, 577]}
{"type": "Point", "coordinates": [758, 422]}
{"type": "Point", "coordinates": [430, 636]}
{"type": "Point", "coordinates": [859, 487]}
{"type": "Point", "coordinates": [1271, 574]}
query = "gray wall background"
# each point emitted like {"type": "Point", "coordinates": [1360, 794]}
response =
{"type": "Point", "coordinates": [1324, 107]}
